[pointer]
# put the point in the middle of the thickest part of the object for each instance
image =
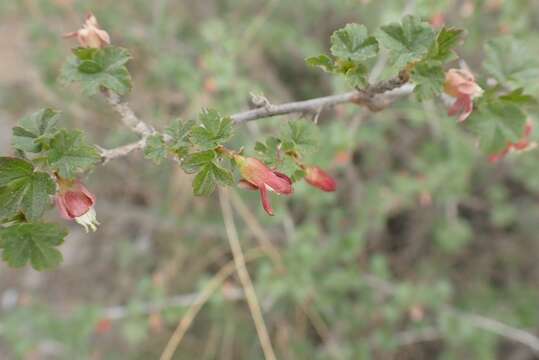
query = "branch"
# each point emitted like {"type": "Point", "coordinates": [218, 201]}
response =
{"type": "Point", "coordinates": [127, 115]}
{"type": "Point", "coordinates": [375, 97]}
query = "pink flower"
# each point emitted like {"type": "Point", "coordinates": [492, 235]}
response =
{"type": "Point", "coordinates": [318, 178]}
{"type": "Point", "coordinates": [90, 35]}
{"type": "Point", "coordinates": [75, 202]}
{"type": "Point", "coordinates": [521, 145]}
{"type": "Point", "coordinates": [460, 84]}
{"type": "Point", "coordinates": [257, 176]}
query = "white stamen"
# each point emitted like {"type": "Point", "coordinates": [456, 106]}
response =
{"type": "Point", "coordinates": [88, 220]}
{"type": "Point", "coordinates": [269, 188]}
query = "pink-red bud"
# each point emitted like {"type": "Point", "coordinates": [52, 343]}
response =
{"type": "Point", "coordinates": [521, 145]}
{"type": "Point", "coordinates": [90, 35]}
{"type": "Point", "coordinates": [320, 179]}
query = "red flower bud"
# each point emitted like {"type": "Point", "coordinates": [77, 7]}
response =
{"type": "Point", "coordinates": [75, 202]}
{"type": "Point", "coordinates": [90, 35]}
{"type": "Point", "coordinates": [257, 176]}
{"type": "Point", "coordinates": [521, 145]}
{"type": "Point", "coordinates": [319, 179]}
{"type": "Point", "coordinates": [460, 84]}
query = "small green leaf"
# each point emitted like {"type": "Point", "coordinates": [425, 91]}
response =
{"type": "Point", "coordinates": [446, 39]}
{"type": "Point", "coordinates": [352, 42]}
{"type": "Point", "coordinates": [204, 183]}
{"type": "Point", "coordinates": [222, 175]}
{"type": "Point", "coordinates": [90, 67]}
{"type": "Point", "coordinates": [70, 153]}
{"type": "Point", "coordinates": [269, 151]}
{"type": "Point", "coordinates": [12, 169]}
{"type": "Point", "coordinates": [179, 133]}
{"type": "Point", "coordinates": [322, 61]}
{"type": "Point", "coordinates": [357, 75]}
{"type": "Point", "coordinates": [32, 242]}
{"type": "Point", "coordinates": [512, 62]}
{"type": "Point", "coordinates": [97, 68]}
{"type": "Point", "coordinates": [155, 149]}
{"type": "Point", "coordinates": [408, 41]}
{"type": "Point", "coordinates": [518, 97]}
{"type": "Point", "coordinates": [22, 189]}
{"type": "Point", "coordinates": [429, 80]}
{"type": "Point", "coordinates": [497, 123]}
{"type": "Point", "coordinates": [213, 131]}
{"type": "Point", "coordinates": [33, 128]}
{"type": "Point", "coordinates": [303, 134]}
{"type": "Point", "coordinates": [193, 162]}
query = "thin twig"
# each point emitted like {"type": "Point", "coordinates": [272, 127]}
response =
{"type": "Point", "coordinates": [478, 321]}
{"type": "Point", "coordinates": [127, 115]}
{"type": "Point", "coordinates": [201, 299]}
{"type": "Point", "coordinates": [244, 277]}
{"type": "Point", "coordinates": [376, 97]}
{"type": "Point", "coordinates": [110, 154]}
{"type": "Point", "coordinates": [264, 241]}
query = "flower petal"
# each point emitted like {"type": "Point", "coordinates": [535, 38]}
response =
{"type": "Point", "coordinates": [463, 107]}
{"type": "Point", "coordinates": [60, 205]}
{"type": "Point", "coordinates": [265, 200]}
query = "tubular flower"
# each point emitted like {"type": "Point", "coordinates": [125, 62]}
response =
{"type": "Point", "coordinates": [460, 84]}
{"type": "Point", "coordinates": [75, 202]}
{"type": "Point", "coordinates": [521, 145]}
{"type": "Point", "coordinates": [318, 178]}
{"type": "Point", "coordinates": [257, 176]}
{"type": "Point", "coordinates": [90, 35]}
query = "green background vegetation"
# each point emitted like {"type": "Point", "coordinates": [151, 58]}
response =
{"type": "Point", "coordinates": [417, 204]}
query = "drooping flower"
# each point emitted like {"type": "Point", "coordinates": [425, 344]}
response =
{"type": "Point", "coordinates": [523, 144]}
{"type": "Point", "coordinates": [460, 84]}
{"type": "Point", "coordinates": [320, 179]}
{"type": "Point", "coordinates": [75, 202]}
{"type": "Point", "coordinates": [257, 176]}
{"type": "Point", "coordinates": [90, 35]}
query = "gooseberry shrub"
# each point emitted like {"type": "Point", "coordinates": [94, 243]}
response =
{"type": "Point", "coordinates": [49, 163]}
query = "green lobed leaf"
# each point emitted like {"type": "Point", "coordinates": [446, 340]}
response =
{"type": "Point", "coordinates": [193, 162]}
{"type": "Point", "coordinates": [155, 149]}
{"type": "Point", "coordinates": [301, 135]}
{"type": "Point", "coordinates": [33, 128]}
{"type": "Point", "coordinates": [497, 123]}
{"type": "Point", "coordinates": [179, 133]}
{"type": "Point", "coordinates": [429, 80]}
{"type": "Point", "coordinates": [223, 176]}
{"type": "Point", "coordinates": [446, 39]}
{"type": "Point", "coordinates": [353, 42]}
{"type": "Point", "coordinates": [13, 169]}
{"type": "Point", "coordinates": [204, 182]}
{"type": "Point", "coordinates": [22, 189]}
{"type": "Point", "coordinates": [518, 97]}
{"type": "Point", "coordinates": [322, 61]}
{"type": "Point", "coordinates": [511, 61]}
{"type": "Point", "coordinates": [32, 242]}
{"type": "Point", "coordinates": [97, 68]}
{"type": "Point", "coordinates": [407, 41]}
{"type": "Point", "coordinates": [269, 151]}
{"type": "Point", "coordinates": [213, 131]}
{"type": "Point", "coordinates": [69, 153]}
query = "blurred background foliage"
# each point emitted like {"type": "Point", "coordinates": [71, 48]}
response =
{"type": "Point", "coordinates": [417, 206]}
